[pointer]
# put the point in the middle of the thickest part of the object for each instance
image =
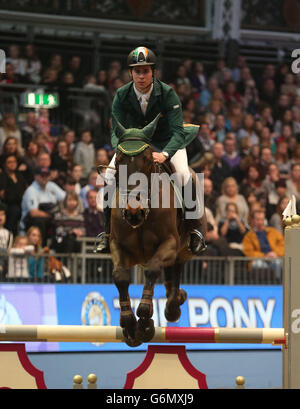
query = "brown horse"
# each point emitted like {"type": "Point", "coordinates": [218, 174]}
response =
{"type": "Point", "coordinates": [154, 237]}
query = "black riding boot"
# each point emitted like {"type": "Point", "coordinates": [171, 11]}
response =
{"type": "Point", "coordinates": [197, 242]}
{"type": "Point", "coordinates": [103, 243]}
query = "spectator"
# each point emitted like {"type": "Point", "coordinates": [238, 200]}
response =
{"type": "Point", "coordinates": [276, 219]}
{"type": "Point", "coordinates": [29, 128]}
{"type": "Point", "coordinates": [68, 226]}
{"type": "Point", "coordinates": [76, 173]}
{"type": "Point", "coordinates": [102, 157]}
{"type": "Point", "coordinates": [206, 94]}
{"type": "Point", "coordinates": [231, 156]}
{"type": "Point", "coordinates": [12, 146]}
{"type": "Point", "coordinates": [102, 79]}
{"type": "Point", "coordinates": [16, 61]}
{"type": "Point", "coordinates": [248, 129]}
{"type": "Point", "coordinates": [219, 129]}
{"type": "Point", "coordinates": [39, 201]}
{"type": "Point", "coordinates": [56, 64]}
{"type": "Point", "coordinates": [12, 188]}
{"type": "Point", "coordinates": [93, 218]}
{"type": "Point", "coordinates": [33, 64]}
{"type": "Point", "coordinates": [6, 236]}
{"type": "Point", "coordinates": [253, 181]}
{"type": "Point", "coordinates": [269, 186]}
{"type": "Point", "coordinates": [30, 159]}
{"type": "Point", "coordinates": [9, 128]}
{"type": "Point", "coordinates": [221, 169]}
{"type": "Point", "coordinates": [85, 153]}
{"type": "Point", "coordinates": [268, 92]}
{"type": "Point", "coordinates": [181, 76]}
{"type": "Point", "coordinates": [262, 241]}
{"type": "Point", "coordinates": [36, 263]}
{"type": "Point", "coordinates": [230, 193]}
{"type": "Point", "coordinates": [293, 183]}
{"type": "Point", "coordinates": [18, 258]}
{"type": "Point", "coordinates": [233, 229]}
{"type": "Point", "coordinates": [91, 185]}
{"type": "Point", "coordinates": [282, 159]}
{"type": "Point", "coordinates": [10, 76]}
{"type": "Point", "coordinates": [234, 118]}
{"type": "Point", "coordinates": [210, 196]}
{"type": "Point", "coordinates": [205, 137]}
{"type": "Point", "coordinates": [266, 159]}
{"type": "Point", "coordinates": [231, 95]}
{"type": "Point", "coordinates": [61, 158]}
{"type": "Point", "coordinates": [288, 87]}
{"type": "Point", "coordinates": [198, 78]}
{"type": "Point", "coordinates": [76, 69]}
{"type": "Point", "coordinates": [69, 186]}
{"type": "Point", "coordinates": [70, 137]}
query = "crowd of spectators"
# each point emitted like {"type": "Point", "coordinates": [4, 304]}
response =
{"type": "Point", "coordinates": [248, 148]}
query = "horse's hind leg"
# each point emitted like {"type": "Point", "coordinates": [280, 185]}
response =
{"type": "Point", "coordinates": [127, 318]}
{"type": "Point", "coordinates": [175, 296]}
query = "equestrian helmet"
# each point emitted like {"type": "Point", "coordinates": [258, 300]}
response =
{"type": "Point", "coordinates": [141, 56]}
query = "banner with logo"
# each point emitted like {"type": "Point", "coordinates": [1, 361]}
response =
{"type": "Point", "coordinates": [206, 306]}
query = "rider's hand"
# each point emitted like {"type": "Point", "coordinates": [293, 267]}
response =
{"type": "Point", "coordinates": [158, 157]}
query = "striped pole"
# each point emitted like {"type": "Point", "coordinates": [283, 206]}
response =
{"type": "Point", "coordinates": [97, 333]}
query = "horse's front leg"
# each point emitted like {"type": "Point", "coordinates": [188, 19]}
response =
{"type": "Point", "coordinates": [175, 295]}
{"type": "Point", "coordinates": [163, 257]}
{"type": "Point", "coordinates": [121, 276]}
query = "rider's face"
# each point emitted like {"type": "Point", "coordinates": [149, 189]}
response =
{"type": "Point", "coordinates": [142, 77]}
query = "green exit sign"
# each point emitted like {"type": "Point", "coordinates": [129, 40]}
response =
{"type": "Point", "coordinates": [34, 100]}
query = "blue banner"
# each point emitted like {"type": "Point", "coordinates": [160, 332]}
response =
{"type": "Point", "coordinates": [206, 306]}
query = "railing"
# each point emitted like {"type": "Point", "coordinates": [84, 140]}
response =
{"type": "Point", "coordinates": [88, 267]}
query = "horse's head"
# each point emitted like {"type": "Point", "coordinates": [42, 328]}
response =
{"type": "Point", "coordinates": [134, 165]}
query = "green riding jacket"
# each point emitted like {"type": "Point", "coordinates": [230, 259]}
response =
{"type": "Point", "coordinates": [170, 134]}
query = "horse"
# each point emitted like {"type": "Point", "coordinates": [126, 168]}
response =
{"type": "Point", "coordinates": [155, 237]}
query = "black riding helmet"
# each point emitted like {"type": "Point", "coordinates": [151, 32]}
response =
{"type": "Point", "coordinates": [141, 56]}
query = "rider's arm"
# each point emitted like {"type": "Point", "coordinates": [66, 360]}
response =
{"type": "Point", "coordinates": [119, 113]}
{"type": "Point", "coordinates": [175, 122]}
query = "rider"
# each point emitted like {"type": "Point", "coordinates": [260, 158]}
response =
{"type": "Point", "coordinates": [135, 105]}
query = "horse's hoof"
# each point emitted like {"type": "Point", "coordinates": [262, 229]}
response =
{"type": "Point", "coordinates": [182, 296]}
{"type": "Point", "coordinates": [172, 312]}
{"type": "Point", "coordinates": [131, 342]}
{"type": "Point", "coordinates": [145, 330]}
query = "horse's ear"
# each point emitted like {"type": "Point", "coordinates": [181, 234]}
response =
{"type": "Point", "coordinates": [120, 130]}
{"type": "Point", "coordinates": [150, 128]}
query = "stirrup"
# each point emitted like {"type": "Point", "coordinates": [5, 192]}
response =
{"type": "Point", "coordinates": [201, 245]}
{"type": "Point", "coordinates": [103, 245]}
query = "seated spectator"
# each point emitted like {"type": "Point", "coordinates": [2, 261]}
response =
{"type": "Point", "coordinates": [231, 95]}
{"type": "Point", "coordinates": [250, 97]}
{"type": "Point", "coordinates": [30, 159]}
{"type": "Point", "coordinates": [10, 76]}
{"type": "Point", "coordinates": [61, 158]}
{"type": "Point", "coordinates": [41, 140]}
{"type": "Point", "coordinates": [286, 119]}
{"type": "Point", "coordinates": [276, 219]}
{"type": "Point", "coordinates": [76, 173]}
{"type": "Point", "coordinates": [210, 196]}
{"type": "Point", "coordinates": [219, 129]}
{"type": "Point", "coordinates": [231, 155]}
{"type": "Point", "coordinates": [85, 153]}
{"type": "Point", "coordinates": [289, 87]}
{"type": "Point", "coordinates": [266, 159]}
{"type": "Point", "coordinates": [206, 93]}
{"type": "Point", "coordinates": [205, 137]}
{"type": "Point", "coordinates": [282, 159]}
{"type": "Point", "coordinates": [36, 263]}
{"type": "Point", "coordinates": [76, 68]}
{"type": "Point", "coordinates": [91, 185]}
{"type": "Point", "coordinates": [101, 157]}
{"type": "Point", "coordinates": [69, 186]}
{"type": "Point", "coordinates": [70, 137]}
{"type": "Point", "coordinates": [93, 218]}
{"type": "Point", "coordinates": [18, 258]}
{"type": "Point", "coordinates": [221, 170]}
{"type": "Point", "coordinates": [253, 181]}
{"type": "Point", "coordinates": [12, 188]}
{"type": "Point", "coordinates": [248, 129]}
{"type": "Point", "coordinates": [39, 201]}
{"type": "Point", "coordinates": [9, 128]}
{"type": "Point", "coordinates": [6, 241]}
{"type": "Point", "coordinates": [11, 147]}
{"type": "Point", "coordinates": [230, 193]}
{"type": "Point", "coordinates": [102, 79]}
{"type": "Point", "coordinates": [198, 78]}
{"type": "Point", "coordinates": [262, 241]}
{"type": "Point", "coordinates": [234, 119]}
{"type": "Point", "coordinates": [14, 58]}
{"type": "Point", "coordinates": [29, 128]}
{"type": "Point", "coordinates": [293, 183]}
{"type": "Point", "coordinates": [232, 229]}
{"type": "Point", "coordinates": [68, 226]}
{"type": "Point", "coordinates": [33, 64]}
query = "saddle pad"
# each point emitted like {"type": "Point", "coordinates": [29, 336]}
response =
{"type": "Point", "coordinates": [132, 148]}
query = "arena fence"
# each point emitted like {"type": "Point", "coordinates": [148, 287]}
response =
{"type": "Point", "coordinates": [88, 267]}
